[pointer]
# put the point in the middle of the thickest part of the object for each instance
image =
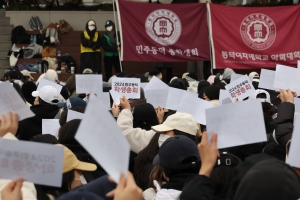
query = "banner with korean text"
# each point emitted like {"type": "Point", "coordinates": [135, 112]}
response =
{"type": "Point", "coordinates": [163, 32]}
{"type": "Point", "coordinates": [247, 38]}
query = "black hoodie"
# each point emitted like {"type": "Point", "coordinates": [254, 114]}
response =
{"type": "Point", "coordinates": [90, 43]}
{"type": "Point", "coordinates": [33, 126]}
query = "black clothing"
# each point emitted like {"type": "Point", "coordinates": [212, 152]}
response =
{"type": "Point", "coordinates": [33, 126]}
{"type": "Point", "coordinates": [108, 63]}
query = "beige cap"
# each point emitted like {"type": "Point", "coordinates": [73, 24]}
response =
{"type": "Point", "coordinates": [27, 73]}
{"type": "Point", "coordinates": [180, 121]}
{"type": "Point", "coordinates": [87, 71]}
{"type": "Point", "coordinates": [71, 162]}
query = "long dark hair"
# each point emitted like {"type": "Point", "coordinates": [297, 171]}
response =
{"type": "Point", "coordinates": [64, 114]}
{"type": "Point", "coordinates": [67, 180]}
{"type": "Point", "coordinates": [144, 116]}
{"type": "Point", "coordinates": [144, 159]}
{"type": "Point", "coordinates": [66, 133]}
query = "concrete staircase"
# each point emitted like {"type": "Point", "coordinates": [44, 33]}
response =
{"type": "Point", "coordinates": [5, 43]}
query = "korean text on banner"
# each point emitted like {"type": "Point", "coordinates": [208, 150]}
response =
{"type": "Point", "coordinates": [236, 123]}
{"type": "Point", "coordinates": [35, 162]}
{"type": "Point", "coordinates": [163, 32]}
{"type": "Point", "coordinates": [247, 38]}
{"type": "Point", "coordinates": [100, 135]}
{"type": "Point", "coordinates": [10, 101]}
{"type": "Point", "coordinates": [240, 88]}
{"type": "Point", "coordinates": [128, 87]}
{"type": "Point", "coordinates": [86, 83]}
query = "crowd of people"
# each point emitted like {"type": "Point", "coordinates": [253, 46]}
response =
{"type": "Point", "coordinates": [171, 156]}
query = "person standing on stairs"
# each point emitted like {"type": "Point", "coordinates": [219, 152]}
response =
{"type": "Point", "coordinates": [90, 56]}
{"type": "Point", "coordinates": [111, 46]}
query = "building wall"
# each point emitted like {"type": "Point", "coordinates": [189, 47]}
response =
{"type": "Point", "coordinates": [77, 19]}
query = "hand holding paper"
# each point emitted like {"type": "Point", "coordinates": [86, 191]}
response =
{"type": "Point", "coordinates": [9, 123]}
{"type": "Point", "coordinates": [12, 191]}
{"type": "Point", "coordinates": [286, 96]}
{"type": "Point", "coordinates": [124, 103]}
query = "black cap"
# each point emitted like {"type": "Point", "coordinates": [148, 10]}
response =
{"type": "Point", "coordinates": [212, 92]}
{"type": "Point", "coordinates": [154, 72]}
{"type": "Point", "coordinates": [109, 23]}
{"type": "Point", "coordinates": [174, 150]}
{"type": "Point", "coordinates": [144, 112]}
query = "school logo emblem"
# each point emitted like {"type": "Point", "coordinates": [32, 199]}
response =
{"type": "Point", "coordinates": [163, 26]}
{"type": "Point", "coordinates": [258, 31]}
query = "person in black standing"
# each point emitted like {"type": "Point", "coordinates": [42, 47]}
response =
{"type": "Point", "coordinates": [111, 46]}
{"type": "Point", "coordinates": [90, 48]}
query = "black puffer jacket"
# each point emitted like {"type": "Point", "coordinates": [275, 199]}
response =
{"type": "Point", "coordinates": [33, 126]}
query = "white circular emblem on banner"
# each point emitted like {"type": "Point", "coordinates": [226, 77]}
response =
{"type": "Point", "coordinates": [163, 26]}
{"type": "Point", "coordinates": [258, 31]}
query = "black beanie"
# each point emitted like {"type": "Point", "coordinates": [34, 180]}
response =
{"type": "Point", "coordinates": [144, 111]}
{"type": "Point", "coordinates": [154, 72]}
{"type": "Point", "coordinates": [212, 92]}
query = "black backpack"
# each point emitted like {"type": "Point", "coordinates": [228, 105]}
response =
{"type": "Point", "coordinates": [19, 36]}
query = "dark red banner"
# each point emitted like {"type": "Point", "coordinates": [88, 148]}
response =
{"type": "Point", "coordinates": [166, 33]}
{"type": "Point", "coordinates": [260, 37]}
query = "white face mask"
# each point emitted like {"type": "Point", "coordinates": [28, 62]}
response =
{"type": "Point", "coordinates": [91, 28]}
{"type": "Point", "coordinates": [109, 28]}
{"type": "Point", "coordinates": [162, 138]}
{"type": "Point", "coordinates": [81, 179]}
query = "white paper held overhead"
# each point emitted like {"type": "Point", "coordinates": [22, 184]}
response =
{"type": "Point", "coordinates": [293, 157]}
{"type": "Point", "coordinates": [155, 84]}
{"type": "Point", "coordinates": [44, 82]}
{"type": "Point", "coordinates": [266, 80]}
{"type": "Point", "coordinates": [10, 101]}
{"type": "Point", "coordinates": [128, 87]}
{"type": "Point", "coordinates": [287, 78]}
{"type": "Point", "coordinates": [50, 126]}
{"type": "Point", "coordinates": [35, 162]}
{"type": "Point", "coordinates": [100, 135]}
{"type": "Point", "coordinates": [237, 123]}
{"type": "Point", "coordinates": [157, 97]}
{"type": "Point", "coordinates": [240, 88]}
{"type": "Point", "coordinates": [86, 83]}
{"type": "Point", "coordinates": [74, 115]}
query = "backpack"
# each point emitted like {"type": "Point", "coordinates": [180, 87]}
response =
{"type": "Point", "coordinates": [19, 36]}
{"type": "Point", "coordinates": [51, 36]}
{"type": "Point", "coordinates": [35, 23]}
{"type": "Point", "coordinates": [64, 27]}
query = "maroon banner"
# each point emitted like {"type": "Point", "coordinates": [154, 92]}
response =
{"type": "Point", "coordinates": [166, 33]}
{"type": "Point", "coordinates": [260, 37]}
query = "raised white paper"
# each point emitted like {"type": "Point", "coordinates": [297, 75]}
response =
{"type": "Point", "coordinates": [195, 106]}
{"type": "Point", "coordinates": [293, 157]}
{"type": "Point", "coordinates": [235, 76]}
{"type": "Point", "coordinates": [105, 100]}
{"type": "Point", "coordinates": [236, 123]}
{"type": "Point", "coordinates": [44, 82]}
{"type": "Point", "coordinates": [157, 97]}
{"type": "Point", "coordinates": [115, 96]}
{"type": "Point", "coordinates": [240, 88]}
{"type": "Point", "coordinates": [297, 104]}
{"type": "Point", "coordinates": [174, 98]}
{"type": "Point", "coordinates": [225, 101]}
{"type": "Point", "coordinates": [287, 78]}
{"type": "Point", "coordinates": [10, 101]}
{"type": "Point", "coordinates": [266, 80]}
{"type": "Point", "coordinates": [74, 115]}
{"type": "Point", "coordinates": [128, 87]}
{"type": "Point", "coordinates": [87, 83]}
{"type": "Point", "coordinates": [100, 135]}
{"type": "Point", "coordinates": [35, 162]}
{"type": "Point", "coordinates": [298, 64]}
{"type": "Point", "coordinates": [223, 95]}
{"type": "Point", "coordinates": [156, 84]}
{"type": "Point", "coordinates": [50, 126]}
{"type": "Point", "coordinates": [143, 85]}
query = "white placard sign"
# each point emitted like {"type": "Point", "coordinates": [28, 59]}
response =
{"type": "Point", "coordinates": [240, 88]}
{"type": "Point", "coordinates": [50, 126]}
{"type": "Point", "coordinates": [157, 97]}
{"type": "Point", "coordinates": [223, 95]}
{"type": "Point", "coordinates": [86, 83]}
{"type": "Point", "coordinates": [195, 106]}
{"type": "Point", "coordinates": [10, 101]}
{"type": "Point", "coordinates": [44, 82]}
{"type": "Point", "coordinates": [128, 87]}
{"type": "Point", "coordinates": [74, 115]}
{"type": "Point", "coordinates": [235, 76]}
{"type": "Point", "coordinates": [156, 84]}
{"type": "Point", "coordinates": [174, 98]}
{"type": "Point", "coordinates": [143, 85]}
{"type": "Point", "coordinates": [287, 78]}
{"type": "Point", "coordinates": [237, 123]}
{"type": "Point", "coordinates": [105, 100]}
{"type": "Point", "coordinates": [35, 162]}
{"type": "Point", "coordinates": [115, 96]}
{"type": "Point", "coordinates": [267, 79]}
{"type": "Point", "coordinates": [297, 104]}
{"type": "Point", "coordinates": [293, 157]}
{"type": "Point", "coordinates": [99, 134]}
